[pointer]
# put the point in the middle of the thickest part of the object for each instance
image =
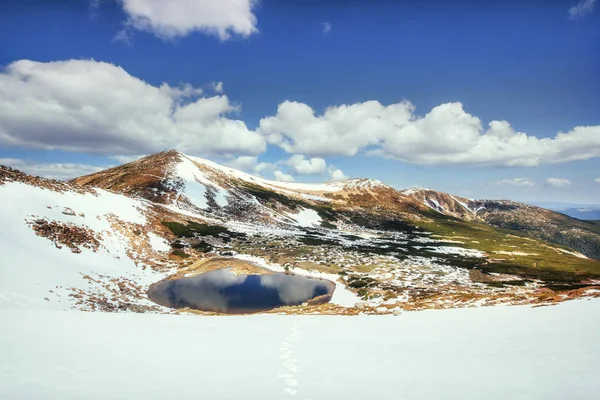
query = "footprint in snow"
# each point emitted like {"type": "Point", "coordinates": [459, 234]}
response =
{"type": "Point", "coordinates": [289, 362]}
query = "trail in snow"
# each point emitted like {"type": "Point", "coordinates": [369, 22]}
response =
{"type": "Point", "coordinates": [289, 362]}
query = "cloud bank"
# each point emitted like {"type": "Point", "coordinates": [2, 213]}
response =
{"type": "Point", "coordinates": [60, 171]}
{"type": "Point", "coordinates": [447, 135]}
{"type": "Point", "coordinates": [96, 107]}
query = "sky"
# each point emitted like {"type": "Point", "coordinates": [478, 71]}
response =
{"type": "Point", "coordinates": [483, 99]}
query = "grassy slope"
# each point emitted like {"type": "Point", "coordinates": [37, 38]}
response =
{"type": "Point", "coordinates": [543, 261]}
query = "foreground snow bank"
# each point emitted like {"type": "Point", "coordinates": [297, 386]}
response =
{"type": "Point", "coordinates": [485, 353]}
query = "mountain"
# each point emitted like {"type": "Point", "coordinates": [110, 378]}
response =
{"type": "Point", "coordinates": [99, 241]}
{"type": "Point", "coordinates": [586, 212]}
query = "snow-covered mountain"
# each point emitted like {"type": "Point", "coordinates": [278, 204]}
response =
{"type": "Point", "coordinates": [99, 241]}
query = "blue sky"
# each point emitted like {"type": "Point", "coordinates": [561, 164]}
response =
{"type": "Point", "coordinates": [533, 64]}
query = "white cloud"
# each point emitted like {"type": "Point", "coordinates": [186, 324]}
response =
{"type": "Point", "coordinates": [283, 177]}
{"type": "Point", "coordinates": [51, 170]}
{"type": "Point", "coordinates": [597, 180]}
{"type": "Point", "coordinates": [520, 182]}
{"type": "Point", "coordinates": [251, 165]}
{"type": "Point", "coordinates": [218, 87]}
{"type": "Point", "coordinates": [96, 107]}
{"type": "Point", "coordinates": [177, 18]}
{"type": "Point", "coordinates": [326, 27]}
{"type": "Point", "coordinates": [295, 165]}
{"type": "Point", "coordinates": [336, 174]}
{"type": "Point", "coordinates": [581, 9]}
{"type": "Point", "coordinates": [446, 135]}
{"type": "Point", "coordinates": [126, 159]}
{"type": "Point", "coordinates": [558, 182]}
{"type": "Point", "coordinates": [303, 166]}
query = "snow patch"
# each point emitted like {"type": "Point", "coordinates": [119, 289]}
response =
{"type": "Point", "coordinates": [158, 243]}
{"type": "Point", "coordinates": [306, 217]}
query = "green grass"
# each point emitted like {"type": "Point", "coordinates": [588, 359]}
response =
{"type": "Point", "coordinates": [180, 253]}
{"type": "Point", "coordinates": [193, 229]}
{"type": "Point", "coordinates": [202, 247]}
{"type": "Point", "coordinates": [312, 241]}
{"type": "Point", "coordinates": [268, 195]}
{"type": "Point", "coordinates": [540, 263]}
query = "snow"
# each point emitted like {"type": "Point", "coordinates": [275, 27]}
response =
{"type": "Point", "coordinates": [413, 190]}
{"type": "Point", "coordinates": [313, 197]}
{"type": "Point", "coordinates": [306, 217]}
{"type": "Point", "coordinates": [573, 253]}
{"type": "Point", "coordinates": [194, 181]}
{"type": "Point", "coordinates": [466, 207]}
{"type": "Point", "coordinates": [437, 205]}
{"type": "Point", "coordinates": [158, 244]}
{"type": "Point", "coordinates": [32, 266]}
{"type": "Point", "coordinates": [492, 353]}
{"type": "Point", "coordinates": [514, 253]}
{"type": "Point", "coordinates": [456, 250]}
{"type": "Point", "coordinates": [221, 197]}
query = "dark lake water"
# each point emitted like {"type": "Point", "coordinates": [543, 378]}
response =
{"type": "Point", "coordinates": [222, 291]}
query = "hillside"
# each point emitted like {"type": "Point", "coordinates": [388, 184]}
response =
{"type": "Point", "coordinates": [99, 241]}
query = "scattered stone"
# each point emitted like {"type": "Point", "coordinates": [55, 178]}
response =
{"type": "Point", "coordinates": [68, 211]}
{"type": "Point", "coordinates": [361, 305]}
{"type": "Point", "coordinates": [67, 234]}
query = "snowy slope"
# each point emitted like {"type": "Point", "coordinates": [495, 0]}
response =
{"type": "Point", "coordinates": [497, 353]}
{"type": "Point", "coordinates": [35, 273]}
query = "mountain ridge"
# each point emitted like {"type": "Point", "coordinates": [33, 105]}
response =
{"type": "Point", "coordinates": [105, 237]}
{"type": "Point", "coordinates": [411, 204]}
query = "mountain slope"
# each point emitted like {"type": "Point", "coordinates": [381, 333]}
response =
{"type": "Point", "coordinates": [202, 186]}
{"type": "Point", "coordinates": [64, 245]}
{"type": "Point", "coordinates": [103, 238]}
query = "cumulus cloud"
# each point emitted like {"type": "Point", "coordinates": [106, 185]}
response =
{"type": "Point", "coordinates": [581, 9]}
{"type": "Point", "coordinates": [59, 171]}
{"type": "Point", "coordinates": [336, 174]}
{"type": "Point", "coordinates": [326, 27]}
{"type": "Point", "coordinates": [96, 107]}
{"type": "Point", "coordinates": [251, 165]}
{"type": "Point", "coordinates": [303, 166]}
{"type": "Point", "coordinates": [286, 170]}
{"type": "Point", "coordinates": [558, 182]}
{"type": "Point", "coordinates": [283, 177]}
{"type": "Point", "coordinates": [446, 135]}
{"type": "Point", "coordinates": [520, 182]}
{"type": "Point", "coordinates": [597, 180]}
{"type": "Point", "coordinates": [178, 18]}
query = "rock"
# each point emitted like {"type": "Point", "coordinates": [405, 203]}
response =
{"type": "Point", "coordinates": [68, 211]}
{"type": "Point", "coordinates": [381, 309]}
{"type": "Point", "coordinates": [304, 304]}
{"type": "Point", "coordinates": [361, 305]}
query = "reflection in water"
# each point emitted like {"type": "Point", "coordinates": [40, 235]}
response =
{"type": "Point", "coordinates": [223, 291]}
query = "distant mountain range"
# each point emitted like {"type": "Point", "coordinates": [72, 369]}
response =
{"type": "Point", "coordinates": [587, 212]}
